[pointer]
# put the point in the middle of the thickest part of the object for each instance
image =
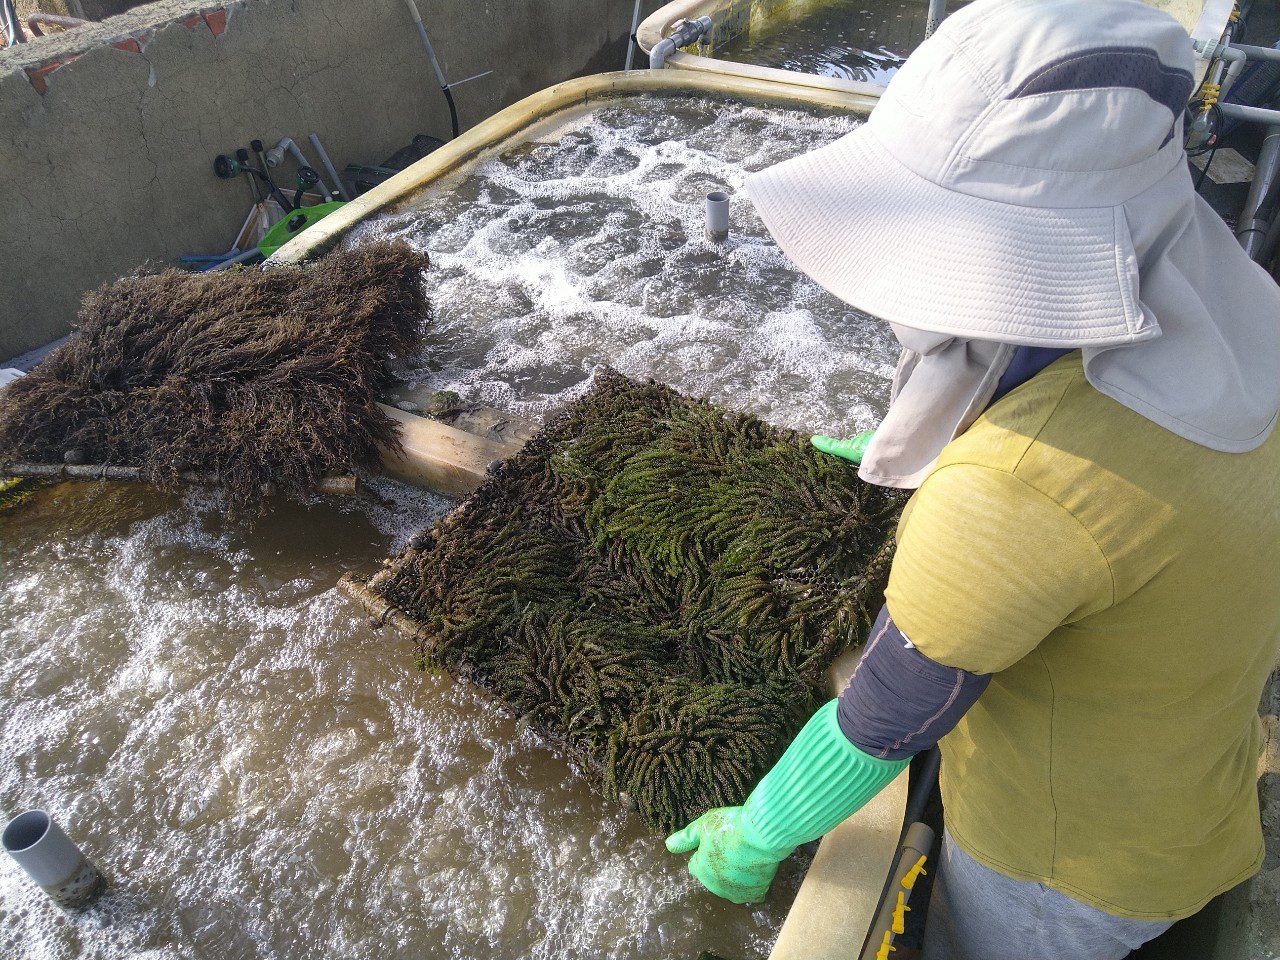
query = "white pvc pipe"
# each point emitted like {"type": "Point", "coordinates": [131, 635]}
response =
{"type": "Point", "coordinates": [1255, 52]}
{"type": "Point", "coordinates": [329, 167]}
{"type": "Point", "coordinates": [52, 860]}
{"type": "Point", "coordinates": [275, 157]}
{"type": "Point", "coordinates": [937, 10]}
{"type": "Point", "coordinates": [717, 216]}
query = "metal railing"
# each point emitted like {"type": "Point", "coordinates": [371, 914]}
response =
{"type": "Point", "coordinates": [10, 25]}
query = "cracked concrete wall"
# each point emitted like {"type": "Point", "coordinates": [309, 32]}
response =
{"type": "Point", "coordinates": [107, 157]}
{"type": "Point", "coordinates": [85, 9]}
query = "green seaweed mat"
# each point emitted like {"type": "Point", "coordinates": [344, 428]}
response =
{"type": "Point", "coordinates": [656, 585]}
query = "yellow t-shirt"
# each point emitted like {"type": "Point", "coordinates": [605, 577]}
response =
{"type": "Point", "coordinates": [1123, 585]}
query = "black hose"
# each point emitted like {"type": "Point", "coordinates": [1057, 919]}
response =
{"type": "Point", "coordinates": [262, 171]}
{"type": "Point", "coordinates": [1210, 143]}
{"type": "Point", "coordinates": [925, 783]}
{"type": "Point", "coordinates": [453, 111]}
{"type": "Point", "coordinates": [285, 204]}
{"type": "Point", "coordinates": [1204, 171]}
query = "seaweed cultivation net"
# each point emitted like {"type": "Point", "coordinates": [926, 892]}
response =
{"type": "Point", "coordinates": [258, 377]}
{"type": "Point", "coordinates": [267, 778]}
{"type": "Point", "coordinates": [656, 585]}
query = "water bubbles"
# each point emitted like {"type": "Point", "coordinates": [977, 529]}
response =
{"type": "Point", "coordinates": [267, 777]}
{"type": "Point", "coordinates": [564, 254]}
{"type": "Point", "coordinates": [270, 778]}
{"type": "Point", "coordinates": [863, 43]}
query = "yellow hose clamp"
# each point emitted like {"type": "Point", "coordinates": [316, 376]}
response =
{"type": "Point", "coordinates": [1209, 96]}
{"type": "Point", "coordinates": [886, 947]}
{"type": "Point", "coordinates": [909, 879]}
{"type": "Point", "coordinates": [900, 914]}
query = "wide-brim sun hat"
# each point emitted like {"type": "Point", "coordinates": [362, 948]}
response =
{"type": "Point", "coordinates": [1023, 181]}
{"type": "Point", "coordinates": [946, 212]}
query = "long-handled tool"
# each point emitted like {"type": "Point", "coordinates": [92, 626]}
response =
{"type": "Point", "coordinates": [278, 226]}
{"type": "Point", "coordinates": [275, 156]}
{"type": "Point", "coordinates": [227, 168]}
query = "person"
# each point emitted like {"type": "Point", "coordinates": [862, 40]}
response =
{"type": "Point", "coordinates": [1083, 608]}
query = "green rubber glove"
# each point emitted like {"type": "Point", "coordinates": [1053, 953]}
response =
{"type": "Point", "coordinates": [819, 783]}
{"type": "Point", "coordinates": [852, 449]}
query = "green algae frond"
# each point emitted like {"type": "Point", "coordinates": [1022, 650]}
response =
{"type": "Point", "coordinates": [656, 585]}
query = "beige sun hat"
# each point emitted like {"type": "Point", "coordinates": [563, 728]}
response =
{"type": "Point", "coordinates": [1023, 181]}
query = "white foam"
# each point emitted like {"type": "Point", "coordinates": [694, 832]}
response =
{"type": "Point", "coordinates": [559, 256]}
{"type": "Point", "coordinates": [265, 776]}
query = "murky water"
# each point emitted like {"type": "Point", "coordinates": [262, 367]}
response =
{"type": "Point", "coordinates": [587, 249]}
{"type": "Point", "coordinates": [268, 777]}
{"type": "Point", "coordinates": [861, 40]}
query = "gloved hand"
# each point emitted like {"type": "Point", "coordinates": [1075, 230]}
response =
{"type": "Point", "coordinates": [730, 858]}
{"type": "Point", "coordinates": [852, 449]}
{"type": "Point", "coordinates": [820, 781]}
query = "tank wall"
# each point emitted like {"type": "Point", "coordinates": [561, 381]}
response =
{"type": "Point", "coordinates": [111, 129]}
{"type": "Point", "coordinates": [750, 16]}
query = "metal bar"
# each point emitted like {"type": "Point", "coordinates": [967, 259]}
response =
{"type": "Point", "coordinates": [477, 76]}
{"type": "Point", "coordinates": [1238, 111]}
{"type": "Point", "coordinates": [339, 484]}
{"type": "Point", "coordinates": [41, 19]}
{"type": "Point", "coordinates": [1259, 207]}
{"type": "Point", "coordinates": [937, 10]}
{"type": "Point", "coordinates": [631, 37]}
{"type": "Point", "coordinates": [1257, 53]}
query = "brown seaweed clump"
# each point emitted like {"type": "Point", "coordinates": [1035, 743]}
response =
{"type": "Point", "coordinates": [259, 378]}
{"type": "Point", "coordinates": [658, 586]}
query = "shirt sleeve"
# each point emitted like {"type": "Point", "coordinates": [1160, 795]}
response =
{"type": "Point", "coordinates": [898, 701]}
{"type": "Point", "coordinates": [988, 566]}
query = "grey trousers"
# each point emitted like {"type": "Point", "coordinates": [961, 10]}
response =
{"type": "Point", "coordinates": [978, 914]}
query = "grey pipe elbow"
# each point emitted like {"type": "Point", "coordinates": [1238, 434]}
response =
{"type": "Point", "coordinates": [1217, 50]}
{"type": "Point", "coordinates": [275, 156]}
{"type": "Point", "coordinates": [685, 33]}
{"type": "Point", "coordinates": [658, 55]}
